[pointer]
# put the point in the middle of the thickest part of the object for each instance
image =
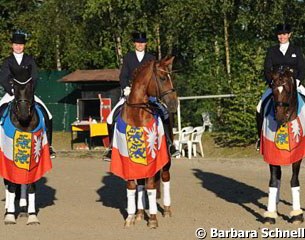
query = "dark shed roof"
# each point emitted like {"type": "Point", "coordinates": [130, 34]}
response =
{"type": "Point", "coordinates": [102, 75]}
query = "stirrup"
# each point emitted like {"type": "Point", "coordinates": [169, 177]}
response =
{"type": "Point", "coordinates": [107, 156]}
{"type": "Point", "coordinates": [173, 151]}
{"type": "Point", "coordinates": [52, 152]}
{"type": "Point", "coordinates": [258, 144]}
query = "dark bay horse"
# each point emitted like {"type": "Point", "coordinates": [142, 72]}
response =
{"type": "Point", "coordinates": [282, 141]}
{"type": "Point", "coordinates": [153, 79]}
{"type": "Point", "coordinates": [24, 165]}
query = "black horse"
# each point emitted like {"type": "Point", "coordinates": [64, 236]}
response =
{"type": "Point", "coordinates": [285, 110]}
{"type": "Point", "coordinates": [25, 117]}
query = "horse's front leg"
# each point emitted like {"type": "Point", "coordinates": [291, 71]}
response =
{"type": "Point", "coordinates": [296, 213]}
{"type": "Point", "coordinates": [152, 199]}
{"type": "Point", "coordinates": [10, 202]}
{"type": "Point", "coordinates": [271, 214]}
{"type": "Point", "coordinates": [32, 218]}
{"type": "Point", "coordinates": [141, 203]}
{"type": "Point", "coordinates": [131, 203]}
{"type": "Point", "coordinates": [165, 176]}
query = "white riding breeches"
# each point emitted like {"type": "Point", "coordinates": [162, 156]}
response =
{"type": "Point", "coordinates": [7, 98]}
{"type": "Point", "coordinates": [110, 116]}
{"type": "Point", "coordinates": [300, 89]}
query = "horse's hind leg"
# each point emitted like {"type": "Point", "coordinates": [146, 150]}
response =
{"type": "Point", "coordinates": [23, 201]}
{"type": "Point", "coordinates": [152, 199]}
{"type": "Point", "coordinates": [10, 212]}
{"type": "Point", "coordinates": [131, 203]}
{"type": "Point", "coordinates": [165, 175]}
{"type": "Point", "coordinates": [32, 218]}
{"type": "Point", "coordinates": [296, 213]}
{"type": "Point", "coordinates": [271, 214]}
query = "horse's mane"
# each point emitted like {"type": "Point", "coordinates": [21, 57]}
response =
{"type": "Point", "coordinates": [139, 69]}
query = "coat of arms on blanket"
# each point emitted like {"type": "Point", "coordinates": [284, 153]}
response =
{"type": "Point", "coordinates": [138, 152]}
{"type": "Point", "coordinates": [283, 145]}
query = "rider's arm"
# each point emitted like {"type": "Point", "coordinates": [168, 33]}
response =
{"type": "Point", "coordinates": [268, 66]}
{"type": "Point", "coordinates": [5, 77]}
{"type": "Point", "coordinates": [300, 66]}
{"type": "Point", "coordinates": [125, 74]}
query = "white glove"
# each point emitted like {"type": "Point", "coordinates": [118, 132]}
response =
{"type": "Point", "coordinates": [126, 91]}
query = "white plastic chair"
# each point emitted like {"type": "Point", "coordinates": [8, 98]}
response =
{"type": "Point", "coordinates": [196, 139]}
{"type": "Point", "coordinates": [185, 139]}
{"type": "Point", "coordinates": [207, 121]}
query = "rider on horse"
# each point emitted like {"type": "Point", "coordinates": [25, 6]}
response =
{"type": "Point", "coordinates": [18, 57]}
{"type": "Point", "coordinates": [132, 61]}
{"type": "Point", "coordinates": [284, 54]}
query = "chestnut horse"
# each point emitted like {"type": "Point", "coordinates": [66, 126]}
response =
{"type": "Point", "coordinates": [285, 127]}
{"type": "Point", "coordinates": [153, 79]}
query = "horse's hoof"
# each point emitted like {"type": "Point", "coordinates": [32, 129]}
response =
{"type": "Point", "coordinates": [167, 212]}
{"type": "Point", "coordinates": [32, 220]}
{"type": "Point", "coordinates": [152, 223]}
{"type": "Point", "coordinates": [140, 215]}
{"type": "Point", "coordinates": [23, 212]}
{"type": "Point", "coordinates": [9, 219]}
{"type": "Point", "coordinates": [269, 221]}
{"type": "Point", "coordinates": [129, 221]}
{"type": "Point", "coordinates": [298, 219]}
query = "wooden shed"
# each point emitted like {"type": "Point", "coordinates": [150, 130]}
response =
{"type": "Point", "coordinates": [91, 83]}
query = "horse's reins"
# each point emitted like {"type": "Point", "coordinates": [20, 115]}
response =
{"type": "Point", "coordinates": [160, 95]}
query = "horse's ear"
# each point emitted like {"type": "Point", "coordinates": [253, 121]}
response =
{"type": "Point", "coordinates": [169, 62]}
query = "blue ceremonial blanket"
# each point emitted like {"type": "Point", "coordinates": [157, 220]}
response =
{"type": "Point", "coordinates": [24, 156]}
{"type": "Point", "coordinates": [283, 145]}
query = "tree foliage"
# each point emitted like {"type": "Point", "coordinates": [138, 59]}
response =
{"type": "Point", "coordinates": [219, 46]}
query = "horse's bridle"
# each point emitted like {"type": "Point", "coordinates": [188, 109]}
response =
{"type": "Point", "coordinates": [159, 94]}
{"type": "Point", "coordinates": [30, 102]}
{"type": "Point", "coordinates": [283, 104]}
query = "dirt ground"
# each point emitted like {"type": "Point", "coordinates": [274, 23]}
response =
{"type": "Point", "coordinates": [80, 199]}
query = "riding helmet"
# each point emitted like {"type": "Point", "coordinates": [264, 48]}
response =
{"type": "Point", "coordinates": [18, 38]}
{"type": "Point", "coordinates": [139, 37]}
{"type": "Point", "coordinates": [283, 28]}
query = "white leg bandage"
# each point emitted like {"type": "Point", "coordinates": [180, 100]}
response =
{"type": "Point", "coordinates": [272, 199]}
{"type": "Point", "coordinates": [152, 199]}
{"type": "Point", "coordinates": [6, 197]}
{"type": "Point", "coordinates": [141, 197]}
{"type": "Point", "coordinates": [31, 208]}
{"type": "Point", "coordinates": [23, 202]}
{"type": "Point", "coordinates": [11, 202]}
{"type": "Point", "coordinates": [295, 191]}
{"type": "Point", "coordinates": [131, 201]}
{"type": "Point", "coordinates": [166, 194]}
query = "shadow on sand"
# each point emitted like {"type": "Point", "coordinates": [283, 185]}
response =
{"type": "Point", "coordinates": [233, 191]}
{"type": "Point", "coordinates": [113, 193]}
{"type": "Point", "coordinates": [45, 195]}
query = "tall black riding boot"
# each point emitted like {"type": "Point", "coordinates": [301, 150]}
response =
{"type": "Point", "coordinates": [49, 127]}
{"type": "Point", "coordinates": [169, 138]}
{"type": "Point", "coordinates": [259, 125]}
{"type": "Point", "coordinates": [110, 128]}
